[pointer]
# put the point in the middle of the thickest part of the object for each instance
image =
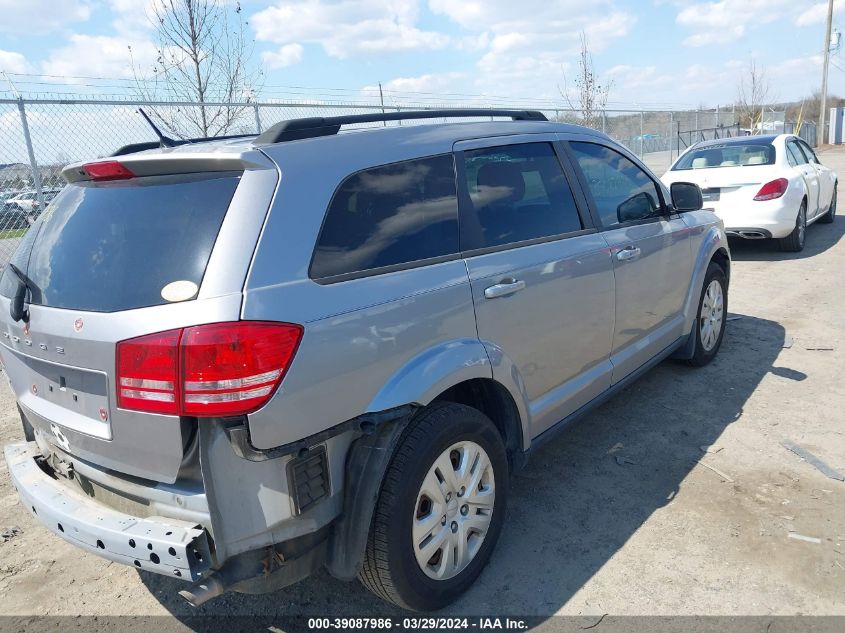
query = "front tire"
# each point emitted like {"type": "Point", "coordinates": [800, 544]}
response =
{"type": "Point", "coordinates": [709, 328]}
{"type": "Point", "coordinates": [440, 509]}
{"type": "Point", "coordinates": [794, 242]}
{"type": "Point", "coordinates": [828, 217]}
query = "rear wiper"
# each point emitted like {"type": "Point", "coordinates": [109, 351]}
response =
{"type": "Point", "coordinates": [16, 308]}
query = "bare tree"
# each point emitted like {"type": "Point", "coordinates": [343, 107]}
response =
{"type": "Point", "coordinates": [753, 93]}
{"type": "Point", "coordinates": [592, 94]}
{"type": "Point", "coordinates": [203, 56]}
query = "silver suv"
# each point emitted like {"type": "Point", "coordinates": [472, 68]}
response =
{"type": "Point", "coordinates": [239, 360]}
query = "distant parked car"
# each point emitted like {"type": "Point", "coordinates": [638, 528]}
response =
{"type": "Point", "coordinates": [28, 200]}
{"type": "Point", "coordinates": [11, 215]}
{"type": "Point", "coordinates": [762, 187]}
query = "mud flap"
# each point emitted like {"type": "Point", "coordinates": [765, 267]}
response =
{"type": "Point", "coordinates": [366, 464]}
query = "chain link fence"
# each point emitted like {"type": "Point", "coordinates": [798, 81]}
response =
{"type": "Point", "coordinates": [38, 137]}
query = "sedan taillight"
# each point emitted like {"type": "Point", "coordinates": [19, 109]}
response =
{"type": "Point", "coordinates": [772, 190]}
{"type": "Point", "coordinates": [220, 369]}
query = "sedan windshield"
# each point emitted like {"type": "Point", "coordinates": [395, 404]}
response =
{"type": "Point", "coordinates": [727, 155]}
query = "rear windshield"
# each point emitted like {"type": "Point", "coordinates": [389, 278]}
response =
{"type": "Point", "coordinates": [727, 155]}
{"type": "Point", "coordinates": [115, 246]}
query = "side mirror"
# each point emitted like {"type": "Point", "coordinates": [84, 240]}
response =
{"type": "Point", "coordinates": [686, 196]}
{"type": "Point", "coordinates": [638, 207]}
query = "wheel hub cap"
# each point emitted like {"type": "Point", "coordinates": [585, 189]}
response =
{"type": "Point", "coordinates": [453, 510]}
{"type": "Point", "coordinates": [712, 315]}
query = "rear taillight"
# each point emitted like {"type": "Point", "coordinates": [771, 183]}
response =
{"type": "Point", "coordinates": [221, 369]}
{"type": "Point", "coordinates": [772, 190]}
{"type": "Point", "coordinates": [107, 170]}
{"type": "Point", "coordinates": [148, 373]}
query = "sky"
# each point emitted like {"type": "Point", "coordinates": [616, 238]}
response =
{"type": "Point", "coordinates": [655, 53]}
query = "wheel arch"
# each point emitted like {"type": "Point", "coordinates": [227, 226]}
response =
{"type": "Point", "coordinates": [495, 401]}
{"type": "Point", "coordinates": [713, 245]}
{"type": "Point", "coordinates": [722, 258]}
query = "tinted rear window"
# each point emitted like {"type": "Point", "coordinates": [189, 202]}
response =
{"type": "Point", "coordinates": [115, 246]}
{"type": "Point", "coordinates": [390, 215]}
{"type": "Point", "coordinates": [727, 155]}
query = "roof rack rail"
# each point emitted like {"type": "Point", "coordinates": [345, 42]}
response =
{"type": "Point", "coordinates": [312, 127]}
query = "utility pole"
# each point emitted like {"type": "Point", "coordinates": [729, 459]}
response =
{"type": "Point", "coordinates": [823, 112]}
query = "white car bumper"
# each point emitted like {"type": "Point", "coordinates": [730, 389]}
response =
{"type": "Point", "coordinates": [759, 219]}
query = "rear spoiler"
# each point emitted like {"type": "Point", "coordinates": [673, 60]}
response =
{"type": "Point", "coordinates": [177, 161]}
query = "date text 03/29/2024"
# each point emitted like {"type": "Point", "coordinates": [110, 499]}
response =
{"type": "Point", "coordinates": [421, 623]}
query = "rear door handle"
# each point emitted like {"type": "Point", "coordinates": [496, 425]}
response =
{"type": "Point", "coordinates": [628, 253]}
{"type": "Point", "coordinates": [503, 289]}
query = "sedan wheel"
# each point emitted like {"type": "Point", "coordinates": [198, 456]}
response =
{"type": "Point", "coordinates": [830, 216]}
{"type": "Point", "coordinates": [794, 242]}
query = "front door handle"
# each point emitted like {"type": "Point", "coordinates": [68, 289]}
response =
{"type": "Point", "coordinates": [504, 288]}
{"type": "Point", "coordinates": [628, 253]}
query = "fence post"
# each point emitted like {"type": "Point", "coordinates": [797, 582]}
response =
{"type": "Point", "coordinates": [36, 174]}
{"type": "Point", "coordinates": [604, 122]}
{"type": "Point", "coordinates": [257, 118]}
{"type": "Point", "coordinates": [717, 115]}
{"type": "Point", "coordinates": [669, 137]}
{"type": "Point", "coordinates": [642, 131]}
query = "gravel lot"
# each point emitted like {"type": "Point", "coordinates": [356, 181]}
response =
{"type": "Point", "coordinates": [643, 529]}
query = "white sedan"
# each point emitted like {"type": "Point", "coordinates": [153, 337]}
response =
{"type": "Point", "coordinates": [761, 186]}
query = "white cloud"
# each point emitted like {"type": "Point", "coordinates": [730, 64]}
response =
{"type": "Point", "coordinates": [132, 17]}
{"type": "Point", "coordinates": [728, 20]}
{"type": "Point", "coordinates": [420, 86]}
{"type": "Point", "coordinates": [12, 62]}
{"type": "Point", "coordinates": [98, 55]}
{"type": "Point", "coordinates": [817, 13]}
{"type": "Point", "coordinates": [348, 27]}
{"type": "Point", "coordinates": [531, 42]}
{"type": "Point", "coordinates": [633, 76]}
{"type": "Point", "coordinates": [41, 16]}
{"type": "Point", "coordinates": [287, 55]}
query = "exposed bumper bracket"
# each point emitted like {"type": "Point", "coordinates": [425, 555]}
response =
{"type": "Point", "coordinates": [157, 544]}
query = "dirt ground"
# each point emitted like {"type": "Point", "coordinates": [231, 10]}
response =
{"type": "Point", "coordinates": [652, 526]}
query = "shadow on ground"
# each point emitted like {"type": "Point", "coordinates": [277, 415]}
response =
{"type": "Point", "coordinates": [575, 505]}
{"type": "Point", "coordinates": [820, 238]}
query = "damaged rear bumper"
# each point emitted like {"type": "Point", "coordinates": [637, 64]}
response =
{"type": "Point", "coordinates": [156, 544]}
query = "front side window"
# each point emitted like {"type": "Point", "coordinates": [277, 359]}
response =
{"type": "Point", "coordinates": [809, 153]}
{"type": "Point", "coordinates": [621, 191]}
{"type": "Point", "coordinates": [516, 193]}
{"type": "Point", "coordinates": [389, 215]}
{"type": "Point", "coordinates": [794, 154]}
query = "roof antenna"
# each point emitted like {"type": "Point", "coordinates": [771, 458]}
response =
{"type": "Point", "coordinates": [162, 139]}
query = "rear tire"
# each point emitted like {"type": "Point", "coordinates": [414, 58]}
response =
{"type": "Point", "coordinates": [794, 242]}
{"type": "Point", "coordinates": [448, 440]}
{"type": "Point", "coordinates": [709, 328]}
{"type": "Point", "coordinates": [828, 217]}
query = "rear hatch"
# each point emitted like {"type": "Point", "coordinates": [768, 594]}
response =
{"type": "Point", "coordinates": [109, 260]}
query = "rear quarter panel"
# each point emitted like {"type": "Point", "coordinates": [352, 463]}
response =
{"type": "Point", "coordinates": [369, 344]}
